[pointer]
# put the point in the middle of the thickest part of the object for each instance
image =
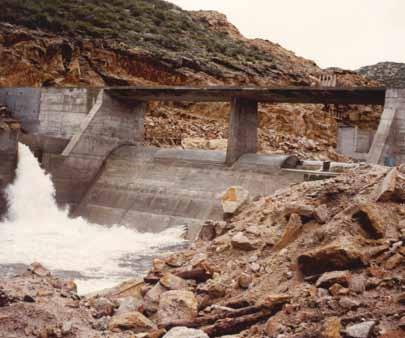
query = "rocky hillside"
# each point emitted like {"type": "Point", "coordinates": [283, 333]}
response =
{"type": "Point", "coordinates": [125, 42]}
{"type": "Point", "coordinates": [391, 74]}
{"type": "Point", "coordinates": [94, 42]}
{"type": "Point", "coordinates": [143, 42]}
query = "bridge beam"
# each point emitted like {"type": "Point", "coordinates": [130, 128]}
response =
{"type": "Point", "coordinates": [243, 124]}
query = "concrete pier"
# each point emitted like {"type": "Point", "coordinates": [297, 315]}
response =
{"type": "Point", "coordinates": [389, 142]}
{"type": "Point", "coordinates": [242, 129]}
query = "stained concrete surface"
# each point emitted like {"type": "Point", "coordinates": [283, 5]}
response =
{"type": "Point", "coordinates": [151, 189]}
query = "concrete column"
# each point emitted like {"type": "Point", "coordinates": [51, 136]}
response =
{"type": "Point", "coordinates": [242, 138]}
{"type": "Point", "coordinates": [8, 159]}
{"type": "Point", "coordinates": [389, 141]}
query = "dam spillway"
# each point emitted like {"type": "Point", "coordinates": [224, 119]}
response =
{"type": "Point", "coordinates": [152, 189]}
{"type": "Point", "coordinates": [91, 142]}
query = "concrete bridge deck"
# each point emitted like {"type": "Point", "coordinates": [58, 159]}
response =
{"type": "Point", "coordinates": [270, 95]}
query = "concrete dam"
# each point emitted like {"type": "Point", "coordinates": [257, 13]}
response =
{"type": "Point", "coordinates": [91, 142]}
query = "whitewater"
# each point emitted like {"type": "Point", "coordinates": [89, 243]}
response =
{"type": "Point", "coordinates": [36, 230]}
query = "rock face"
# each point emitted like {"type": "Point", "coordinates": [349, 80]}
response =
{"type": "Point", "coordinates": [391, 74]}
{"type": "Point", "coordinates": [156, 43]}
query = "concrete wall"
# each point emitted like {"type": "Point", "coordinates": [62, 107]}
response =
{"type": "Point", "coordinates": [354, 142]}
{"type": "Point", "coordinates": [25, 105]}
{"type": "Point", "coordinates": [397, 140]}
{"type": "Point", "coordinates": [53, 112]}
{"type": "Point", "coordinates": [63, 110]}
{"type": "Point", "coordinates": [108, 125]}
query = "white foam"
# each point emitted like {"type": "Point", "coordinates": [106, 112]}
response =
{"type": "Point", "coordinates": [37, 230]}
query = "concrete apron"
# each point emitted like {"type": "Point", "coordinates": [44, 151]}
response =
{"type": "Point", "coordinates": [151, 189]}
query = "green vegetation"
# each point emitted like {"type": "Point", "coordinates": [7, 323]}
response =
{"type": "Point", "coordinates": [155, 25]}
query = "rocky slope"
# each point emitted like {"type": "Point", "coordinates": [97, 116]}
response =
{"type": "Point", "coordinates": [391, 74]}
{"type": "Point", "coordinates": [317, 259]}
{"type": "Point", "coordinates": [139, 42]}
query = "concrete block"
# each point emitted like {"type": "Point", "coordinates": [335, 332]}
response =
{"type": "Point", "coordinates": [243, 126]}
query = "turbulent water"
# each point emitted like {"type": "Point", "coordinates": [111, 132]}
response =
{"type": "Point", "coordinates": [96, 256]}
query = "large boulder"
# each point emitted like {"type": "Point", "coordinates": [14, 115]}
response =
{"type": "Point", "coordinates": [233, 198]}
{"type": "Point", "coordinates": [331, 257]}
{"type": "Point", "coordinates": [177, 305]}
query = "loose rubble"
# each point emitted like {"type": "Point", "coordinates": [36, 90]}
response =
{"type": "Point", "coordinates": [317, 259]}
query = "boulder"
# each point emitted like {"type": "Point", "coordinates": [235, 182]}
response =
{"type": "Point", "coordinates": [172, 282]}
{"type": "Point", "coordinates": [134, 321]}
{"type": "Point", "coordinates": [233, 198]}
{"type": "Point", "coordinates": [361, 330]}
{"type": "Point", "coordinates": [242, 242]}
{"type": "Point", "coordinates": [331, 257]}
{"type": "Point", "coordinates": [370, 219]}
{"type": "Point", "coordinates": [177, 305]}
{"type": "Point", "coordinates": [184, 332]}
